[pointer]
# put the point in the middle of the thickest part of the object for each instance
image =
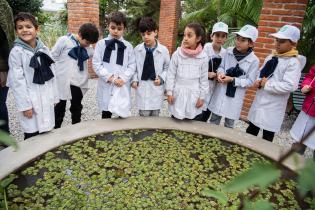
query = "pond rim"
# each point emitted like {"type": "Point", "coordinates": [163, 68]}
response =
{"type": "Point", "coordinates": [30, 149]}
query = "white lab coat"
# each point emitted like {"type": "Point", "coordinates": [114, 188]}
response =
{"type": "Point", "coordinates": [302, 125]}
{"type": "Point", "coordinates": [40, 98]}
{"type": "Point", "coordinates": [208, 48]}
{"type": "Point", "coordinates": [148, 95]}
{"type": "Point", "coordinates": [105, 70]}
{"type": "Point", "coordinates": [230, 107]}
{"type": "Point", "coordinates": [268, 109]}
{"type": "Point", "coordinates": [187, 81]}
{"type": "Point", "coordinates": [67, 69]}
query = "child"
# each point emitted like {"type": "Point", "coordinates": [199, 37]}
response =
{"type": "Point", "coordinates": [278, 78]}
{"type": "Point", "coordinates": [71, 53]}
{"type": "Point", "coordinates": [152, 60]}
{"type": "Point", "coordinates": [237, 72]}
{"type": "Point", "coordinates": [215, 53]}
{"type": "Point", "coordinates": [306, 119]}
{"type": "Point", "coordinates": [31, 78]}
{"type": "Point", "coordinates": [187, 77]}
{"type": "Point", "coordinates": [113, 61]}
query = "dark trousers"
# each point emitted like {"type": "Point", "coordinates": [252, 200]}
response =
{"type": "Point", "coordinates": [254, 130]}
{"type": "Point", "coordinates": [106, 114]}
{"type": "Point", "coordinates": [204, 116]}
{"type": "Point", "coordinates": [29, 135]}
{"type": "Point", "coordinates": [3, 109]}
{"type": "Point", "coordinates": [75, 108]}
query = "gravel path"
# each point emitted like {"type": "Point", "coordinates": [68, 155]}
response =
{"type": "Point", "coordinates": [91, 112]}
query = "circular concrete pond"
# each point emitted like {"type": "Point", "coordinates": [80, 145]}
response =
{"type": "Point", "coordinates": [148, 163]}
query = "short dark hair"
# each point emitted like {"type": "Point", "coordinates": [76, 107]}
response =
{"type": "Point", "coordinates": [199, 31]}
{"type": "Point", "coordinates": [89, 32]}
{"type": "Point", "coordinates": [147, 24]}
{"type": "Point", "coordinates": [23, 16]}
{"type": "Point", "coordinates": [248, 39]}
{"type": "Point", "coordinates": [118, 18]}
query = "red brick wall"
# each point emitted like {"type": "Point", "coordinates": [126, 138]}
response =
{"type": "Point", "coordinates": [168, 23]}
{"type": "Point", "coordinates": [79, 12]}
{"type": "Point", "coordinates": [274, 14]}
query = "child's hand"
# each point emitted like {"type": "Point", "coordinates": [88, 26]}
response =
{"type": "Point", "coordinates": [111, 79]}
{"type": "Point", "coordinates": [119, 82]}
{"type": "Point", "coordinates": [263, 81]}
{"type": "Point", "coordinates": [212, 75]}
{"type": "Point", "coordinates": [199, 103]}
{"type": "Point", "coordinates": [257, 84]}
{"type": "Point", "coordinates": [227, 79]}
{"type": "Point", "coordinates": [306, 89]}
{"type": "Point", "coordinates": [134, 85]}
{"type": "Point", "coordinates": [170, 99]}
{"type": "Point", "coordinates": [157, 81]}
{"type": "Point", "coordinates": [220, 77]}
{"type": "Point", "coordinates": [28, 113]}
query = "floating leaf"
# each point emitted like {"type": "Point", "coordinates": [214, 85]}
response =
{"type": "Point", "coordinates": [260, 174]}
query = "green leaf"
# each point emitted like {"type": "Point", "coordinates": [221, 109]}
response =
{"type": "Point", "coordinates": [260, 174]}
{"type": "Point", "coordinates": [220, 196]}
{"type": "Point", "coordinates": [306, 178]}
{"type": "Point", "coordinates": [5, 182]}
{"type": "Point", "coordinates": [258, 205]}
{"type": "Point", "coordinates": [7, 139]}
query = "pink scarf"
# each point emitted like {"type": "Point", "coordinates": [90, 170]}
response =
{"type": "Point", "coordinates": [191, 53]}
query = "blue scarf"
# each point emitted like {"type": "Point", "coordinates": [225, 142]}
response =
{"type": "Point", "coordinates": [110, 46]}
{"type": "Point", "coordinates": [269, 67]}
{"type": "Point", "coordinates": [78, 53]}
{"type": "Point", "coordinates": [42, 71]}
{"type": "Point", "coordinates": [148, 71]}
{"type": "Point", "coordinates": [233, 72]}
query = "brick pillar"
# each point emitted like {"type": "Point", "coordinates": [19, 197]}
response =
{"type": "Point", "coordinates": [83, 11]}
{"type": "Point", "coordinates": [274, 14]}
{"type": "Point", "coordinates": [168, 23]}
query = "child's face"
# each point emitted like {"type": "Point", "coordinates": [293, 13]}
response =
{"type": "Point", "coordinates": [218, 38]}
{"type": "Point", "coordinates": [284, 45]}
{"type": "Point", "coordinates": [148, 38]}
{"type": "Point", "coordinates": [26, 31]}
{"type": "Point", "coordinates": [190, 39]}
{"type": "Point", "coordinates": [116, 31]}
{"type": "Point", "coordinates": [242, 44]}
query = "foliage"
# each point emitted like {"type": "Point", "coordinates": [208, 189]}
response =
{"type": "Point", "coordinates": [307, 43]}
{"type": "Point", "coordinates": [6, 21]}
{"type": "Point", "coordinates": [3, 194]}
{"type": "Point", "coordinates": [134, 9]}
{"type": "Point", "coordinates": [140, 169]}
{"type": "Point", "coordinates": [235, 13]}
{"type": "Point", "coordinates": [31, 6]}
{"type": "Point", "coordinates": [51, 31]}
{"type": "Point", "coordinates": [190, 6]}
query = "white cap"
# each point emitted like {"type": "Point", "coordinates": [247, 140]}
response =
{"type": "Point", "coordinates": [248, 31]}
{"type": "Point", "coordinates": [288, 32]}
{"type": "Point", "coordinates": [220, 27]}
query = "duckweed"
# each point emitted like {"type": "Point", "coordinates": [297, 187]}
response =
{"type": "Point", "coordinates": [141, 169]}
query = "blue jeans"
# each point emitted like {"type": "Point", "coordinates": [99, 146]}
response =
{"type": "Point", "coordinates": [3, 109]}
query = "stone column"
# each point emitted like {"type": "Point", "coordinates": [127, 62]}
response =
{"type": "Point", "coordinates": [168, 23]}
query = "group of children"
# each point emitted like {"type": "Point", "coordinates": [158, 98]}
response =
{"type": "Point", "coordinates": [202, 81]}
